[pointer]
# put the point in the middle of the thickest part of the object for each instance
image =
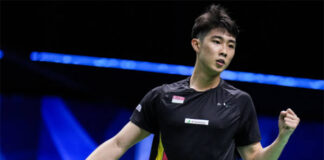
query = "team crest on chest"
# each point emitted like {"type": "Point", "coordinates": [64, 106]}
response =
{"type": "Point", "coordinates": [178, 99]}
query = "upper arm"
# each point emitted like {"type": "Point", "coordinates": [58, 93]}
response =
{"type": "Point", "coordinates": [248, 152]}
{"type": "Point", "coordinates": [130, 135]}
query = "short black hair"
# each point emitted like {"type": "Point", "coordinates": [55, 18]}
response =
{"type": "Point", "coordinates": [214, 17]}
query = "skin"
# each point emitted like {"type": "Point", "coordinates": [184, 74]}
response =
{"type": "Point", "coordinates": [115, 147]}
{"type": "Point", "coordinates": [217, 44]}
{"type": "Point", "coordinates": [288, 121]}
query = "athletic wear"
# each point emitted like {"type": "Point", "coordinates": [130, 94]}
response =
{"type": "Point", "coordinates": [192, 125]}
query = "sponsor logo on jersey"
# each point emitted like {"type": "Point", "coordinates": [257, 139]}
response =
{"type": "Point", "coordinates": [196, 121]}
{"type": "Point", "coordinates": [139, 107]}
{"type": "Point", "coordinates": [178, 99]}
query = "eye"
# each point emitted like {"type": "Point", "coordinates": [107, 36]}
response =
{"type": "Point", "coordinates": [216, 41]}
{"type": "Point", "coordinates": [231, 46]}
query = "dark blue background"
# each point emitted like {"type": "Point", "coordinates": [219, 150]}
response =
{"type": "Point", "coordinates": [277, 37]}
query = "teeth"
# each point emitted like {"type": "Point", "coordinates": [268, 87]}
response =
{"type": "Point", "coordinates": [222, 61]}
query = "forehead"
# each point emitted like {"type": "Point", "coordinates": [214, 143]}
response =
{"type": "Point", "coordinates": [220, 32]}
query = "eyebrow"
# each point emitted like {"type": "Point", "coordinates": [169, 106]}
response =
{"type": "Point", "coordinates": [220, 37]}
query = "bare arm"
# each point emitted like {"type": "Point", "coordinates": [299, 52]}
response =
{"type": "Point", "coordinates": [256, 152]}
{"type": "Point", "coordinates": [115, 147]}
{"type": "Point", "coordinates": [288, 121]}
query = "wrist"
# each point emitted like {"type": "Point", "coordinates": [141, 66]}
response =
{"type": "Point", "coordinates": [283, 136]}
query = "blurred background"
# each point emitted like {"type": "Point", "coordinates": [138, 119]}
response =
{"type": "Point", "coordinates": [62, 106]}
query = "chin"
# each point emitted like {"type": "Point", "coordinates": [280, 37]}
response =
{"type": "Point", "coordinates": [214, 71]}
{"type": "Point", "coordinates": [217, 71]}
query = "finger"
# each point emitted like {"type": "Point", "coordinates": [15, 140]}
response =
{"type": "Point", "coordinates": [291, 111]}
{"type": "Point", "coordinates": [286, 119]}
{"type": "Point", "coordinates": [291, 116]}
{"type": "Point", "coordinates": [291, 123]}
{"type": "Point", "coordinates": [282, 114]}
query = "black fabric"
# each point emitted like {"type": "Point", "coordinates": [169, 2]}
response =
{"type": "Point", "coordinates": [230, 113]}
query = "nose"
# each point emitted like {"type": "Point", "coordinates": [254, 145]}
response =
{"type": "Point", "coordinates": [223, 52]}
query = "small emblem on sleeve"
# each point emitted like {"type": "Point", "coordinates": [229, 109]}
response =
{"type": "Point", "coordinates": [196, 121]}
{"type": "Point", "coordinates": [139, 107]}
{"type": "Point", "coordinates": [178, 99]}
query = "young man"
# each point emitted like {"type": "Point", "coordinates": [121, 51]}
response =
{"type": "Point", "coordinates": [202, 116]}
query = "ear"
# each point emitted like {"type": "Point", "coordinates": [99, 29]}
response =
{"type": "Point", "coordinates": [195, 43]}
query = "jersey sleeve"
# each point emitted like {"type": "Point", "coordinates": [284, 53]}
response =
{"type": "Point", "coordinates": [248, 131]}
{"type": "Point", "coordinates": [144, 115]}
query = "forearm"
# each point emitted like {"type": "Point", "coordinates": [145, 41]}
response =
{"type": "Point", "coordinates": [109, 150]}
{"type": "Point", "coordinates": [115, 147]}
{"type": "Point", "coordinates": [273, 151]}
{"type": "Point", "coordinates": [288, 121]}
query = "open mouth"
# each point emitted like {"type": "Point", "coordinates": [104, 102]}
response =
{"type": "Point", "coordinates": [220, 61]}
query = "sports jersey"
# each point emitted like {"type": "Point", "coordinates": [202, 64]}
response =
{"type": "Point", "coordinates": [192, 125]}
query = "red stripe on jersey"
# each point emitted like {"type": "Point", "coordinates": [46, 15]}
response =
{"type": "Point", "coordinates": [164, 156]}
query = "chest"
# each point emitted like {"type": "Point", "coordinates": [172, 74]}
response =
{"type": "Point", "coordinates": [205, 111]}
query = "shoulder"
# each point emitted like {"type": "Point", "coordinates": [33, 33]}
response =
{"type": "Point", "coordinates": [235, 93]}
{"type": "Point", "coordinates": [239, 98]}
{"type": "Point", "coordinates": [171, 87]}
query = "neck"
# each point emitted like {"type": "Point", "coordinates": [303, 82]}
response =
{"type": "Point", "coordinates": [202, 81]}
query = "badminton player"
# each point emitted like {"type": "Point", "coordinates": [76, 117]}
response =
{"type": "Point", "coordinates": [201, 117]}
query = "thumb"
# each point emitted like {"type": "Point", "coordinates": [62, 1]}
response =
{"type": "Point", "coordinates": [282, 114]}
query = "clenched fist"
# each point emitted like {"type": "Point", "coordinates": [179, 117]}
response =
{"type": "Point", "coordinates": [288, 122]}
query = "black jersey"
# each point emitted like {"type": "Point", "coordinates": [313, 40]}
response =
{"type": "Point", "coordinates": [194, 125]}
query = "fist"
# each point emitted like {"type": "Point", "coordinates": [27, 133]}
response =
{"type": "Point", "coordinates": [288, 122]}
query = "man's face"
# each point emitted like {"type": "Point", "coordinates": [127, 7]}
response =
{"type": "Point", "coordinates": [216, 50]}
